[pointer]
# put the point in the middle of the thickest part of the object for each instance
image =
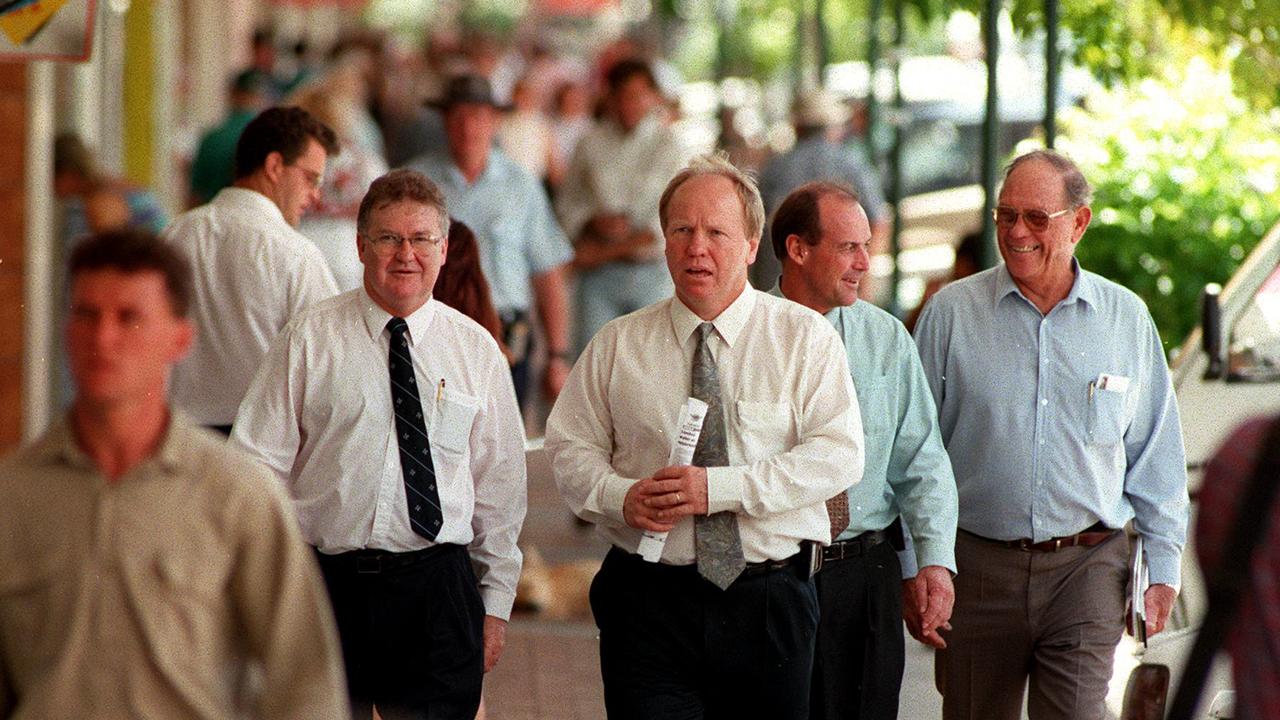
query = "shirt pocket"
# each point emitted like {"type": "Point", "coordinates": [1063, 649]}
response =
{"type": "Point", "coordinates": [36, 602]}
{"type": "Point", "coordinates": [180, 589]}
{"type": "Point", "coordinates": [878, 402]}
{"type": "Point", "coordinates": [766, 428]}
{"type": "Point", "coordinates": [1106, 418]}
{"type": "Point", "coordinates": [455, 415]}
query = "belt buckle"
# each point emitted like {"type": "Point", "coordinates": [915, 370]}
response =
{"type": "Point", "coordinates": [1057, 544]}
{"type": "Point", "coordinates": [1024, 544]}
{"type": "Point", "coordinates": [368, 565]}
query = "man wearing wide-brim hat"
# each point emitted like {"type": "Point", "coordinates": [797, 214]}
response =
{"type": "Point", "coordinates": [522, 249]}
{"type": "Point", "coordinates": [819, 117]}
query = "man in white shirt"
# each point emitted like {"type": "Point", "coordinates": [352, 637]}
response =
{"type": "Point", "coordinates": [608, 203]}
{"type": "Point", "coordinates": [253, 270]}
{"type": "Point", "coordinates": [725, 623]}
{"type": "Point", "coordinates": [402, 492]}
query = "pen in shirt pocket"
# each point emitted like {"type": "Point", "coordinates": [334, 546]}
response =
{"type": "Point", "coordinates": [1092, 386]}
{"type": "Point", "coordinates": [440, 389]}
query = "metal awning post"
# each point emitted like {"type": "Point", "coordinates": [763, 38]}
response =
{"type": "Point", "coordinates": [822, 42]}
{"type": "Point", "coordinates": [990, 130]}
{"type": "Point", "coordinates": [1052, 71]}
{"type": "Point", "coordinates": [895, 175]}
{"type": "Point", "coordinates": [874, 13]}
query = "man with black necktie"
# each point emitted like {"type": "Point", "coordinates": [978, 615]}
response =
{"type": "Point", "coordinates": [392, 420]}
{"type": "Point", "coordinates": [724, 624]}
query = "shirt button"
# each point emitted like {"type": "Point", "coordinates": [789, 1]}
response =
{"type": "Point", "coordinates": [1044, 401]}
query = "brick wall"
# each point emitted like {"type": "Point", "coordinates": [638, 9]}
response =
{"type": "Point", "coordinates": [13, 135]}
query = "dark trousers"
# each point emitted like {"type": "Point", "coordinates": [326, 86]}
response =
{"type": "Point", "coordinates": [674, 646]}
{"type": "Point", "coordinates": [517, 333]}
{"type": "Point", "coordinates": [857, 669]}
{"type": "Point", "coordinates": [411, 631]}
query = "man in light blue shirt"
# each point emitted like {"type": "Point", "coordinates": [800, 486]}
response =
{"type": "Point", "coordinates": [522, 249]}
{"type": "Point", "coordinates": [1059, 416]}
{"type": "Point", "coordinates": [821, 236]}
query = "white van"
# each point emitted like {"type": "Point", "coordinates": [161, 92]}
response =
{"type": "Point", "coordinates": [1226, 372]}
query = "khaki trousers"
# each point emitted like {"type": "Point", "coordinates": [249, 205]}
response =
{"type": "Point", "coordinates": [1051, 618]}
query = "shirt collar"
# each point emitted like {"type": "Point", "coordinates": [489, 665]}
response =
{"type": "Point", "coordinates": [648, 125]}
{"type": "Point", "coordinates": [59, 445]}
{"type": "Point", "coordinates": [376, 319]}
{"type": "Point", "coordinates": [831, 314]}
{"type": "Point", "coordinates": [492, 169]}
{"type": "Point", "coordinates": [1082, 288]}
{"type": "Point", "coordinates": [250, 200]}
{"type": "Point", "coordinates": [729, 323]}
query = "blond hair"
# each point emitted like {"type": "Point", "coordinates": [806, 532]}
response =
{"type": "Point", "coordinates": [718, 164]}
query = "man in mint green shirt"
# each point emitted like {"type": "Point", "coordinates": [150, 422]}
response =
{"type": "Point", "coordinates": [821, 235]}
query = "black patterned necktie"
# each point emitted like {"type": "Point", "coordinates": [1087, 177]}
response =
{"type": "Point", "coordinates": [411, 434]}
{"type": "Point", "coordinates": [716, 540]}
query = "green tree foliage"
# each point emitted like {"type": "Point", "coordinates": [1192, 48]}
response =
{"type": "Point", "coordinates": [1187, 181]}
{"type": "Point", "coordinates": [1125, 40]}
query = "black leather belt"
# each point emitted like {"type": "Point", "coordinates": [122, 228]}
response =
{"type": "Point", "coordinates": [373, 562]}
{"type": "Point", "coordinates": [854, 546]}
{"type": "Point", "coordinates": [1095, 534]}
{"type": "Point", "coordinates": [798, 563]}
{"type": "Point", "coordinates": [768, 566]}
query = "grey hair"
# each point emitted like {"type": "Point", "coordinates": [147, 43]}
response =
{"type": "Point", "coordinates": [718, 164]}
{"type": "Point", "coordinates": [1078, 190]}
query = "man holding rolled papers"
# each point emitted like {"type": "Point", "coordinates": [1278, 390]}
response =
{"type": "Point", "coordinates": [724, 623]}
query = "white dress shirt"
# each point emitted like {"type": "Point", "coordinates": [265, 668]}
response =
{"type": "Point", "coordinates": [320, 414]}
{"type": "Point", "coordinates": [792, 422]}
{"type": "Point", "coordinates": [253, 273]}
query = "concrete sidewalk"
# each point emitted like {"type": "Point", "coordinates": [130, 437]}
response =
{"type": "Point", "coordinates": [549, 670]}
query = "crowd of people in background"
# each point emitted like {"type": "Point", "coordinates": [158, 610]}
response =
{"type": "Point", "coordinates": [588, 248]}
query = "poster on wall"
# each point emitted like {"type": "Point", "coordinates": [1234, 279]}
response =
{"type": "Point", "coordinates": [46, 30]}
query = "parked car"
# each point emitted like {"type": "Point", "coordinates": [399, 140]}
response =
{"type": "Point", "coordinates": [1226, 372]}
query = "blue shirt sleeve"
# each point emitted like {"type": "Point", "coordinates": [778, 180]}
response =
{"type": "Point", "coordinates": [1155, 480]}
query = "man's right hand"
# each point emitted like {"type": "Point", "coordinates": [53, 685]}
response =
{"type": "Point", "coordinates": [927, 601]}
{"type": "Point", "coordinates": [638, 513]}
{"type": "Point", "coordinates": [657, 503]}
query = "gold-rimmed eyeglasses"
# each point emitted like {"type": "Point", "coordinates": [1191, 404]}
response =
{"type": "Point", "coordinates": [1037, 220]}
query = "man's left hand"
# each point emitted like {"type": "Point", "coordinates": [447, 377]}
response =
{"type": "Point", "coordinates": [678, 491]}
{"type": "Point", "coordinates": [1159, 603]}
{"type": "Point", "coordinates": [495, 639]}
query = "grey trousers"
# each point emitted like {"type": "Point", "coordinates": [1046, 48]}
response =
{"type": "Point", "coordinates": [1052, 619]}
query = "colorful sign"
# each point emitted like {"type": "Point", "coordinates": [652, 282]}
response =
{"type": "Point", "coordinates": [46, 29]}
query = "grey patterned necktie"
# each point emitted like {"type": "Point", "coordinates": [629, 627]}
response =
{"type": "Point", "coordinates": [715, 537]}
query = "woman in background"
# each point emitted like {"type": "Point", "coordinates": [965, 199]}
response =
{"type": "Point", "coordinates": [462, 284]}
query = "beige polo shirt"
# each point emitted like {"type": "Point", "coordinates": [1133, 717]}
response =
{"type": "Point", "coordinates": [166, 594]}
